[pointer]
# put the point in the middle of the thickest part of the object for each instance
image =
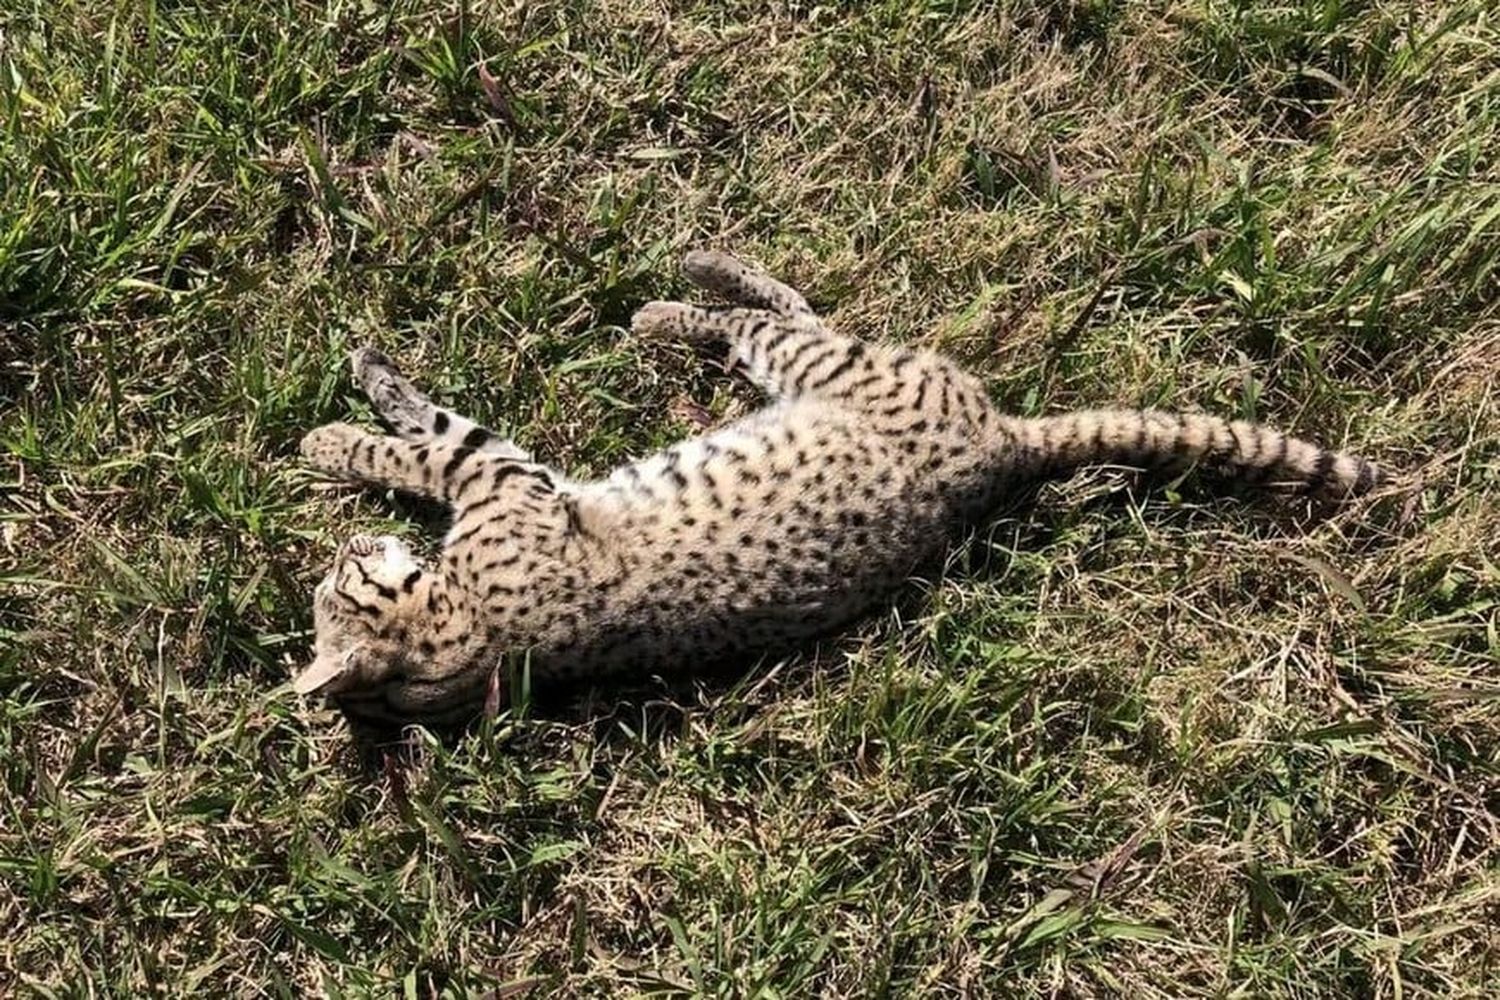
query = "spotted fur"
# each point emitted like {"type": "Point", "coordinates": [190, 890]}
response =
{"type": "Point", "coordinates": [775, 529]}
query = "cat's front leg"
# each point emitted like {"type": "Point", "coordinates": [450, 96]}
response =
{"type": "Point", "coordinates": [417, 418]}
{"type": "Point", "coordinates": [738, 282]}
{"type": "Point", "coordinates": [433, 469]}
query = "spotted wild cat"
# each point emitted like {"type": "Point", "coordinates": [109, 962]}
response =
{"type": "Point", "coordinates": [783, 526]}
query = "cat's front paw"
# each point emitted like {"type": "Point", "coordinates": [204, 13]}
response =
{"type": "Point", "coordinates": [330, 447]}
{"type": "Point", "coordinates": [371, 366]}
{"type": "Point", "coordinates": [662, 320]}
{"type": "Point", "coordinates": [396, 399]}
{"type": "Point", "coordinates": [713, 269]}
{"type": "Point", "coordinates": [732, 279]}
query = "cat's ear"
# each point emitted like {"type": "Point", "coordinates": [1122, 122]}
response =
{"type": "Point", "coordinates": [323, 671]}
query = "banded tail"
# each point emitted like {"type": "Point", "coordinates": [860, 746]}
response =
{"type": "Point", "coordinates": [1153, 439]}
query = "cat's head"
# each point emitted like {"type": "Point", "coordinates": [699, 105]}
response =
{"type": "Point", "coordinates": [389, 636]}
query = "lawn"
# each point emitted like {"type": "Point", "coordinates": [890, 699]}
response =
{"type": "Point", "coordinates": [1138, 742]}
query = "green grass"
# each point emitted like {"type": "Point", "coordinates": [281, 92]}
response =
{"type": "Point", "coordinates": [1161, 744]}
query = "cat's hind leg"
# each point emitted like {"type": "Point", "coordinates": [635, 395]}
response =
{"type": "Point", "coordinates": [773, 334]}
{"type": "Point", "coordinates": [788, 356]}
{"type": "Point", "coordinates": [755, 338]}
{"type": "Point", "coordinates": [417, 418]}
{"type": "Point", "coordinates": [788, 351]}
